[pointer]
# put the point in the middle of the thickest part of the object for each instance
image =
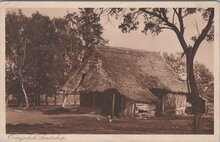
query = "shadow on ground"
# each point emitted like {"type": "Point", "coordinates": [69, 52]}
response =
{"type": "Point", "coordinates": [60, 110]}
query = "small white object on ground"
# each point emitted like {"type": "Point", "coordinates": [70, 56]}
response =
{"type": "Point", "coordinates": [98, 119]}
{"type": "Point", "coordinates": [18, 110]}
{"type": "Point", "coordinates": [110, 120]}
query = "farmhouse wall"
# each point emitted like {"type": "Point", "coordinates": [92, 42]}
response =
{"type": "Point", "coordinates": [174, 104]}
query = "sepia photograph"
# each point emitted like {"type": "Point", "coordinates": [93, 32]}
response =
{"type": "Point", "coordinates": [111, 70]}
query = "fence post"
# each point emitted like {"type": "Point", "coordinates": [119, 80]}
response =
{"type": "Point", "coordinates": [113, 105]}
{"type": "Point", "coordinates": [55, 100]}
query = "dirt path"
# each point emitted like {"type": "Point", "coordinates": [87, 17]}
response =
{"type": "Point", "coordinates": [17, 116]}
{"type": "Point", "coordinates": [35, 122]}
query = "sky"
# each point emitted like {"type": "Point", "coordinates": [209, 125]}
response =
{"type": "Point", "coordinates": [166, 41]}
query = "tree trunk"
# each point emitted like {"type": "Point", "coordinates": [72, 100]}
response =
{"type": "Point", "coordinates": [64, 101]}
{"type": "Point", "coordinates": [35, 100]}
{"type": "Point", "coordinates": [74, 99]}
{"type": "Point", "coordinates": [194, 97]}
{"type": "Point", "coordinates": [24, 90]}
{"type": "Point", "coordinates": [25, 94]}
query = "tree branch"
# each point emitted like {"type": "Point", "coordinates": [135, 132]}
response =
{"type": "Point", "coordinates": [178, 32]}
{"type": "Point", "coordinates": [203, 33]}
{"type": "Point", "coordinates": [151, 13]}
{"type": "Point", "coordinates": [197, 28]}
{"type": "Point", "coordinates": [135, 17]}
{"type": "Point", "coordinates": [175, 11]}
{"type": "Point", "coordinates": [165, 28]}
{"type": "Point", "coordinates": [173, 16]}
{"type": "Point", "coordinates": [24, 54]}
{"type": "Point", "coordinates": [164, 18]}
{"type": "Point", "coordinates": [180, 18]}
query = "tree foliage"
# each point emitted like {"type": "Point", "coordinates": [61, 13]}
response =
{"type": "Point", "coordinates": [42, 52]}
{"type": "Point", "coordinates": [155, 20]}
{"type": "Point", "coordinates": [204, 77]}
{"type": "Point", "coordinates": [89, 28]}
{"type": "Point", "coordinates": [205, 80]}
{"type": "Point", "coordinates": [177, 64]}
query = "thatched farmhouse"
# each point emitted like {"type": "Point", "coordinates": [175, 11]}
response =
{"type": "Point", "coordinates": [118, 79]}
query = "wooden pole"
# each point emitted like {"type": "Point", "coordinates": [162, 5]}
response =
{"type": "Point", "coordinates": [163, 104]}
{"type": "Point", "coordinates": [74, 98]}
{"type": "Point", "coordinates": [46, 97]}
{"type": "Point", "coordinates": [133, 110]}
{"type": "Point", "coordinates": [113, 105]}
{"type": "Point", "coordinates": [55, 99]}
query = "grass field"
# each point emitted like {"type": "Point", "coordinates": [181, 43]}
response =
{"type": "Point", "coordinates": [38, 122]}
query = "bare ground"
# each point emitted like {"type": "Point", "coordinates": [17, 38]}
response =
{"type": "Point", "coordinates": [44, 122]}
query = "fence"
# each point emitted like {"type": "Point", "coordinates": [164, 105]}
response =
{"type": "Point", "coordinates": [44, 100]}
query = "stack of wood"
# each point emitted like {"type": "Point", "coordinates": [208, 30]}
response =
{"type": "Point", "coordinates": [143, 111]}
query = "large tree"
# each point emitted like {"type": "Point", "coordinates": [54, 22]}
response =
{"type": "Point", "coordinates": [156, 20]}
{"type": "Point", "coordinates": [78, 34]}
{"type": "Point", "coordinates": [42, 65]}
{"type": "Point", "coordinates": [17, 43]}
{"type": "Point", "coordinates": [31, 55]}
{"type": "Point", "coordinates": [69, 44]}
{"type": "Point", "coordinates": [90, 28]}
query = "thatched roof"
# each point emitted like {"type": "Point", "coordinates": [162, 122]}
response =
{"type": "Point", "coordinates": [135, 74]}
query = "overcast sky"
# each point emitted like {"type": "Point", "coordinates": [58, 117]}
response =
{"type": "Point", "coordinates": [166, 41]}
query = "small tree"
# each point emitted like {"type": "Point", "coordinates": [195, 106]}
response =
{"type": "Point", "coordinates": [204, 80]}
{"type": "Point", "coordinates": [177, 64]}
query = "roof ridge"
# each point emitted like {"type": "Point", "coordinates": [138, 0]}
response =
{"type": "Point", "coordinates": [117, 49]}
